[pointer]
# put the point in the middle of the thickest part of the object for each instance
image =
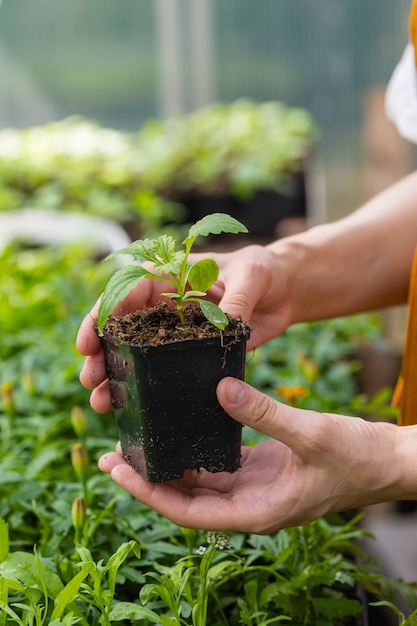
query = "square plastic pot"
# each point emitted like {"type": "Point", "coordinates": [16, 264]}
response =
{"type": "Point", "coordinates": [164, 399]}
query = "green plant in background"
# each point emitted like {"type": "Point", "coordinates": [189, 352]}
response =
{"type": "Point", "coordinates": [411, 620]}
{"type": "Point", "coordinates": [76, 165]}
{"type": "Point", "coordinates": [42, 598]}
{"type": "Point", "coordinates": [235, 148]}
{"type": "Point", "coordinates": [172, 266]}
{"type": "Point", "coordinates": [138, 179]}
{"type": "Point", "coordinates": [76, 548]}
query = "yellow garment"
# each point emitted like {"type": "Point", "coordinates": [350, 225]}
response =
{"type": "Point", "coordinates": [413, 28]}
{"type": "Point", "coordinates": [405, 393]}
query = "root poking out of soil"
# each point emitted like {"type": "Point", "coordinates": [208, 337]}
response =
{"type": "Point", "coordinates": [161, 324]}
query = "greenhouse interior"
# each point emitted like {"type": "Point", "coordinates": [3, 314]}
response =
{"type": "Point", "coordinates": [240, 129]}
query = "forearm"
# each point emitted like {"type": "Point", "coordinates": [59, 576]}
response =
{"type": "Point", "coordinates": [359, 263]}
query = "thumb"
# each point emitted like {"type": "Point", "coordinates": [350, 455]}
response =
{"type": "Point", "coordinates": [257, 410]}
{"type": "Point", "coordinates": [244, 289]}
{"type": "Point", "coordinates": [238, 303]}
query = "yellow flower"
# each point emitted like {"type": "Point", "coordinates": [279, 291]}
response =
{"type": "Point", "coordinates": [292, 394]}
{"type": "Point", "coordinates": [8, 399]}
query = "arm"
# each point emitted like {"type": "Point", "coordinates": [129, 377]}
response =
{"type": "Point", "coordinates": [358, 263]}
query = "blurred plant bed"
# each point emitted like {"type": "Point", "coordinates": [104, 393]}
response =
{"type": "Point", "coordinates": [245, 158]}
{"type": "Point", "coordinates": [262, 213]}
{"type": "Point", "coordinates": [75, 165]}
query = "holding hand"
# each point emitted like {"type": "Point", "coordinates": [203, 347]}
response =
{"type": "Point", "coordinates": [306, 470]}
{"type": "Point", "coordinates": [314, 463]}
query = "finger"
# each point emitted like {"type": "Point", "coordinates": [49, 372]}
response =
{"type": "Point", "coordinates": [87, 341]}
{"type": "Point", "coordinates": [199, 500]}
{"type": "Point", "coordinates": [109, 460]}
{"type": "Point", "coordinates": [245, 404]}
{"type": "Point", "coordinates": [247, 286]}
{"type": "Point", "coordinates": [191, 507]}
{"type": "Point", "coordinates": [126, 476]}
{"type": "Point", "coordinates": [100, 399]}
{"type": "Point", "coordinates": [93, 372]}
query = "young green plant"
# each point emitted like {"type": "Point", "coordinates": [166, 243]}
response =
{"type": "Point", "coordinates": [190, 281]}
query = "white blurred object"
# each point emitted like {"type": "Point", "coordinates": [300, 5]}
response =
{"type": "Point", "coordinates": [44, 227]}
{"type": "Point", "coordinates": [401, 96]}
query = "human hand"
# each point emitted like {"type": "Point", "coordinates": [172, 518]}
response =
{"type": "Point", "coordinates": [253, 283]}
{"type": "Point", "coordinates": [313, 464]}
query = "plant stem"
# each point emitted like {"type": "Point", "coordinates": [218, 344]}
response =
{"type": "Point", "coordinates": [180, 312]}
{"type": "Point", "coordinates": [4, 593]}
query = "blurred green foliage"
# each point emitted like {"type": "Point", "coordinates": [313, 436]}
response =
{"type": "Point", "coordinates": [141, 179]}
{"type": "Point", "coordinates": [76, 165]}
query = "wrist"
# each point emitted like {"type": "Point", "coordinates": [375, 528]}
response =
{"type": "Point", "coordinates": [306, 269]}
{"type": "Point", "coordinates": [406, 461]}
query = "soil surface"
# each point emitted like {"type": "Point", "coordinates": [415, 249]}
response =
{"type": "Point", "coordinates": [161, 324]}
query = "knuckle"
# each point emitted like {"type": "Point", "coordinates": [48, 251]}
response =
{"type": "Point", "coordinates": [241, 301]}
{"type": "Point", "coordinates": [263, 410]}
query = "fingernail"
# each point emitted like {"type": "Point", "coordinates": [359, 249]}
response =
{"type": "Point", "coordinates": [235, 391]}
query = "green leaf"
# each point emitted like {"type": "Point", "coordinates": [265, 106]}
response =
{"type": "Point", "coordinates": [159, 251]}
{"type": "Point", "coordinates": [69, 593]}
{"type": "Point", "coordinates": [165, 248]}
{"type": "Point", "coordinates": [337, 607]}
{"type": "Point", "coordinates": [118, 287]}
{"type": "Point", "coordinates": [220, 569]}
{"type": "Point", "coordinates": [4, 540]}
{"type": "Point", "coordinates": [214, 314]}
{"type": "Point", "coordinates": [215, 224]}
{"type": "Point", "coordinates": [203, 274]}
{"type": "Point", "coordinates": [68, 620]}
{"type": "Point", "coordinates": [167, 620]}
{"type": "Point", "coordinates": [128, 610]}
{"type": "Point", "coordinates": [19, 567]}
{"type": "Point", "coordinates": [141, 250]}
{"type": "Point", "coordinates": [172, 268]}
{"type": "Point", "coordinates": [117, 559]}
{"type": "Point", "coordinates": [193, 294]}
{"type": "Point", "coordinates": [149, 591]}
{"type": "Point", "coordinates": [11, 613]}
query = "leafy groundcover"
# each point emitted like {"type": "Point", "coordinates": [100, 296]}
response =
{"type": "Point", "coordinates": [76, 549]}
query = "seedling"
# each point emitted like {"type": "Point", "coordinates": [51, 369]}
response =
{"type": "Point", "coordinates": [191, 281]}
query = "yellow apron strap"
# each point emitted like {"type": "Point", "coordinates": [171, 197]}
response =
{"type": "Point", "coordinates": [405, 393]}
{"type": "Point", "coordinates": [412, 27]}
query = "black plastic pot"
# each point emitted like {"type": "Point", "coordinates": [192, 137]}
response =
{"type": "Point", "coordinates": [362, 618]}
{"type": "Point", "coordinates": [261, 213]}
{"type": "Point", "coordinates": [164, 398]}
{"type": "Point", "coordinates": [199, 204]}
{"type": "Point", "coordinates": [267, 208]}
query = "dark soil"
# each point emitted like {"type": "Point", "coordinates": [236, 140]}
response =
{"type": "Point", "coordinates": [161, 324]}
